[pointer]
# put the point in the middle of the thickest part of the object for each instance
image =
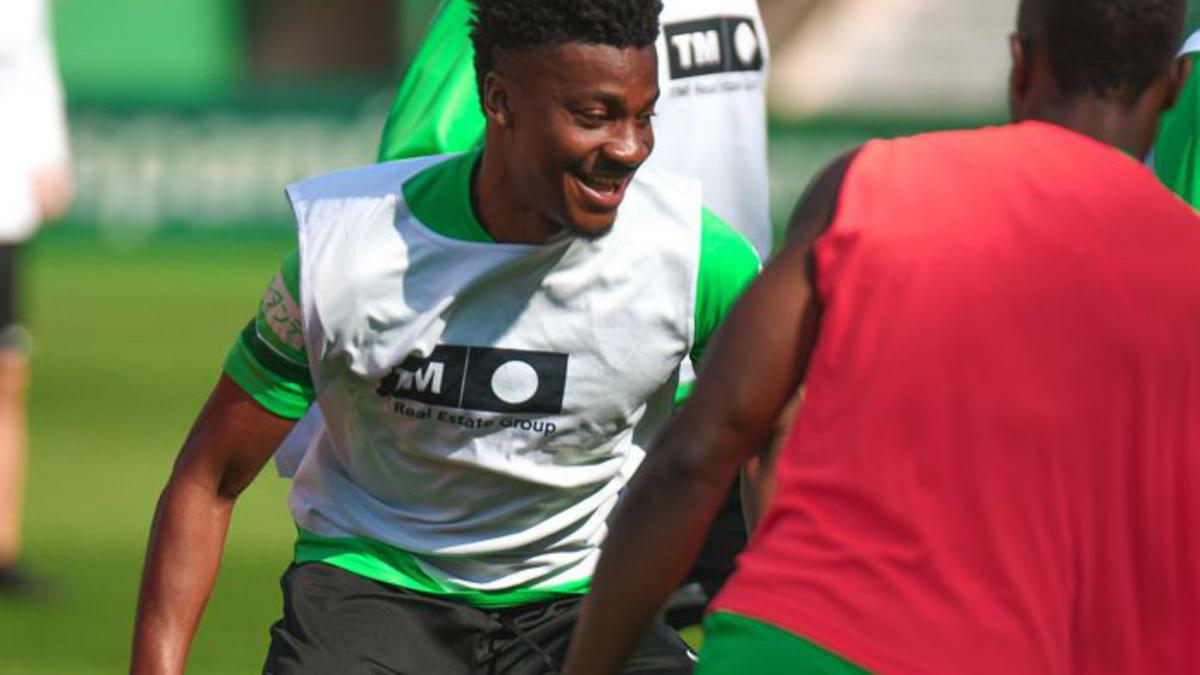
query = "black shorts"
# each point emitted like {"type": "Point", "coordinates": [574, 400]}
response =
{"type": "Point", "coordinates": [11, 332]}
{"type": "Point", "coordinates": [335, 622]}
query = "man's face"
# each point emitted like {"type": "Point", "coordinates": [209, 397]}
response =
{"type": "Point", "coordinates": [579, 127]}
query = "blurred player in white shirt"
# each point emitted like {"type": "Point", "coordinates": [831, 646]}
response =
{"type": "Point", "coordinates": [35, 186]}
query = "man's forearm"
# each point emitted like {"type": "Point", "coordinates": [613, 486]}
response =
{"type": "Point", "coordinates": [186, 541]}
{"type": "Point", "coordinates": [660, 526]}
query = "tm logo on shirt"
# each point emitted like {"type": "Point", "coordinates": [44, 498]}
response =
{"type": "Point", "coordinates": [481, 378]}
{"type": "Point", "coordinates": [723, 44]}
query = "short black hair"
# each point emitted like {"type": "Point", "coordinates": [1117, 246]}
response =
{"type": "Point", "coordinates": [1111, 49]}
{"type": "Point", "coordinates": [513, 25]}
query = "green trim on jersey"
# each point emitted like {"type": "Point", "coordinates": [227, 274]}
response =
{"type": "Point", "coordinates": [1176, 153]}
{"type": "Point", "coordinates": [728, 263]}
{"type": "Point", "coordinates": [437, 107]}
{"type": "Point", "coordinates": [381, 562]}
{"type": "Point", "coordinates": [440, 197]}
{"type": "Point", "coordinates": [738, 645]}
{"type": "Point", "coordinates": [272, 381]}
{"type": "Point", "coordinates": [268, 360]}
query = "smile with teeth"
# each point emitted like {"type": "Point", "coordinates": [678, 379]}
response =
{"type": "Point", "coordinates": [603, 184]}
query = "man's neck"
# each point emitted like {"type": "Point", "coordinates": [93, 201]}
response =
{"type": "Point", "coordinates": [1106, 121]}
{"type": "Point", "coordinates": [495, 200]}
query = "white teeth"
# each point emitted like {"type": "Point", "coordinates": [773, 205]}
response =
{"type": "Point", "coordinates": [601, 185]}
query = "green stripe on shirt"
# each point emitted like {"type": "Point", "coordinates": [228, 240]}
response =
{"type": "Point", "coordinates": [280, 388]}
{"type": "Point", "coordinates": [388, 564]}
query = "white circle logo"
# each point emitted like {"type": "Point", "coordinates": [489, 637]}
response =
{"type": "Point", "coordinates": [745, 43]}
{"type": "Point", "coordinates": [515, 382]}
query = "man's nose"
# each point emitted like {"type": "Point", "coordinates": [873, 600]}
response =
{"type": "Point", "coordinates": [630, 144]}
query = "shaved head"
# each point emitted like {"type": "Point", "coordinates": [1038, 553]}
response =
{"type": "Point", "coordinates": [1107, 49]}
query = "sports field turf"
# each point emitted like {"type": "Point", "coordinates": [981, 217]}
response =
{"type": "Point", "coordinates": [128, 344]}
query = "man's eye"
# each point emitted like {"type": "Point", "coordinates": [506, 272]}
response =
{"type": "Point", "coordinates": [595, 117]}
{"type": "Point", "coordinates": [645, 119]}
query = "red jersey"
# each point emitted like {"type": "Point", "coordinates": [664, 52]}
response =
{"type": "Point", "coordinates": [995, 469]}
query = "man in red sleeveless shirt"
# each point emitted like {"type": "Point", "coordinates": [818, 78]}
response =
{"type": "Point", "coordinates": [999, 330]}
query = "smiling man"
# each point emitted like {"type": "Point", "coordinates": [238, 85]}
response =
{"type": "Point", "coordinates": [492, 338]}
{"type": "Point", "coordinates": [710, 123]}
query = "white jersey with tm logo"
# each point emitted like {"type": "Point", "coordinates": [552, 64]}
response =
{"type": "Point", "coordinates": [485, 403]}
{"type": "Point", "coordinates": [712, 69]}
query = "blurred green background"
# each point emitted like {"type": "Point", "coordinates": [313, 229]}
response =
{"type": "Point", "coordinates": [188, 117]}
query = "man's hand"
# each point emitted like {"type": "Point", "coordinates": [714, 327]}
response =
{"type": "Point", "coordinates": [229, 443]}
{"type": "Point", "coordinates": [53, 191]}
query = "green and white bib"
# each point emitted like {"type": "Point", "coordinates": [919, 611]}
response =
{"type": "Point", "coordinates": [484, 403]}
{"type": "Point", "coordinates": [492, 399]}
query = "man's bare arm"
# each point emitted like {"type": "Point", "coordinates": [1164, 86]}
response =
{"type": "Point", "coordinates": [753, 369]}
{"type": "Point", "coordinates": [229, 443]}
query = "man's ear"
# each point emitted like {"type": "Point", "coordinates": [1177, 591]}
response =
{"type": "Point", "coordinates": [1018, 76]}
{"type": "Point", "coordinates": [1177, 78]}
{"type": "Point", "coordinates": [496, 99]}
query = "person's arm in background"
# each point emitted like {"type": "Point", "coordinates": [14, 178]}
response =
{"type": "Point", "coordinates": [1176, 155]}
{"type": "Point", "coordinates": [753, 369]}
{"type": "Point", "coordinates": [437, 108]}
{"type": "Point", "coordinates": [817, 205]}
{"type": "Point", "coordinates": [264, 389]}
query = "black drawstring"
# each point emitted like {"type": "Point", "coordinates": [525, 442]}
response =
{"type": "Point", "coordinates": [517, 627]}
{"type": "Point", "coordinates": [523, 637]}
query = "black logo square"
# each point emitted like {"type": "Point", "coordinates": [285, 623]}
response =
{"type": "Point", "coordinates": [722, 44]}
{"type": "Point", "coordinates": [509, 380]}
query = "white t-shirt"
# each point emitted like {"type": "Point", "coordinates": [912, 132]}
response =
{"type": "Point", "coordinates": [711, 117]}
{"type": "Point", "coordinates": [32, 123]}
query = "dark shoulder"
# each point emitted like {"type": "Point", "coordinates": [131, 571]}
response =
{"type": "Point", "coordinates": [817, 208]}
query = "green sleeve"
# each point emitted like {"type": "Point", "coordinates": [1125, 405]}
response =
{"type": "Point", "coordinates": [437, 107]}
{"type": "Point", "coordinates": [1176, 155]}
{"type": "Point", "coordinates": [728, 263]}
{"type": "Point", "coordinates": [268, 360]}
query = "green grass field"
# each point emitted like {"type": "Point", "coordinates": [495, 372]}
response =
{"type": "Point", "coordinates": [128, 344]}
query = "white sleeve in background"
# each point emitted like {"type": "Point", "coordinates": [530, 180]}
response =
{"type": "Point", "coordinates": [1192, 45]}
{"type": "Point", "coordinates": [33, 130]}
{"type": "Point", "coordinates": [713, 60]}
